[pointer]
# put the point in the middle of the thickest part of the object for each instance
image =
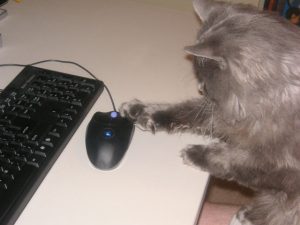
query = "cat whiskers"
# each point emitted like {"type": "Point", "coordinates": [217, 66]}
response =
{"type": "Point", "coordinates": [207, 108]}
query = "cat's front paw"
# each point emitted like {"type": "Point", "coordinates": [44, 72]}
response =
{"type": "Point", "coordinates": [132, 109]}
{"type": "Point", "coordinates": [192, 155]}
{"type": "Point", "coordinates": [137, 111]}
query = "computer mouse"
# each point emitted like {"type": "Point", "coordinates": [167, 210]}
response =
{"type": "Point", "coordinates": [108, 137]}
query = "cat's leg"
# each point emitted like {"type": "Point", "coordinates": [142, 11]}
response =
{"type": "Point", "coordinates": [215, 158]}
{"type": "Point", "coordinates": [194, 115]}
{"type": "Point", "coordinates": [244, 166]}
{"type": "Point", "coordinates": [280, 202]}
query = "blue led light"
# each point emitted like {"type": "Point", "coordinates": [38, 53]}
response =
{"type": "Point", "coordinates": [113, 114]}
{"type": "Point", "coordinates": [107, 133]}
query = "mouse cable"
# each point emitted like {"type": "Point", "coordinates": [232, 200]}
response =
{"type": "Point", "coordinates": [66, 62]}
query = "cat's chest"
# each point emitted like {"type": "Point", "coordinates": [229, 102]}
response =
{"type": "Point", "coordinates": [248, 132]}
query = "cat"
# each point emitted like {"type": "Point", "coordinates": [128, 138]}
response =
{"type": "Point", "coordinates": [247, 64]}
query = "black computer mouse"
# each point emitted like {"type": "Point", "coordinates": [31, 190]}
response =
{"type": "Point", "coordinates": [108, 137]}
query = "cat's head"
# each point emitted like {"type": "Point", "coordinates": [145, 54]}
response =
{"type": "Point", "coordinates": [239, 59]}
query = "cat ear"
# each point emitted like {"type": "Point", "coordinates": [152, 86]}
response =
{"type": "Point", "coordinates": [205, 52]}
{"type": "Point", "coordinates": [203, 8]}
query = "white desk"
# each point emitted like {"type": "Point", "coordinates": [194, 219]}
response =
{"type": "Point", "coordinates": [136, 49]}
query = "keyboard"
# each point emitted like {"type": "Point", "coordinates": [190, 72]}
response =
{"type": "Point", "coordinates": [39, 112]}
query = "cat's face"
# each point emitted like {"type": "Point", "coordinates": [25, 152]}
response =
{"type": "Point", "coordinates": [241, 62]}
{"type": "Point", "coordinates": [215, 78]}
{"type": "Point", "coordinates": [211, 81]}
{"type": "Point", "coordinates": [215, 49]}
{"type": "Point", "coordinates": [211, 53]}
{"type": "Point", "coordinates": [216, 83]}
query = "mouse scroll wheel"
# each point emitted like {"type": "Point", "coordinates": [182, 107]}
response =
{"type": "Point", "coordinates": [108, 133]}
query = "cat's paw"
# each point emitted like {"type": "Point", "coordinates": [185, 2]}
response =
{"type": "Point", "coordinates": [132, 109]}
{"type": "Point", "coordinates": [138, 112]}
{"type": "Point", "coordinates": [191, 155]}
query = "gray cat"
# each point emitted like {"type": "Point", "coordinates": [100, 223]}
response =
{"type": "Point", "coordinates": [247, 64]}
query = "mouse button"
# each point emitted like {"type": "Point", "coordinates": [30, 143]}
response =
{"type": "Point", "coordinates": [124, 134]}
{"type": "Point", "coordinates": [101, 117]}
{"type": "Point", "coordinates": [94, 128]}
{"type": "Point", "coordinates": [124, 123]}
{"type": "Point", "coordinates": [127, 122]}
{"type": "Point", "coordinates": [115, 123]}
{"type": "Point", "coordinates": [121, 129]}
{"type": "Point", "coordinates": [120, 122]}
{"type": "Point", "coordinates": [92, 141]}
{"type": "Point", "coordinates": [126, 127]}
{"type": "Point", "coordinates": [98, 115]}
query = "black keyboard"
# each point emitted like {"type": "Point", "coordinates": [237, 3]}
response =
{"type": "Point", "coordinates": [39, 112]}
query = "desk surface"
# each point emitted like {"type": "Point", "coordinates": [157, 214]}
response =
{"type": "Point", "coordinates": [136, 48]}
